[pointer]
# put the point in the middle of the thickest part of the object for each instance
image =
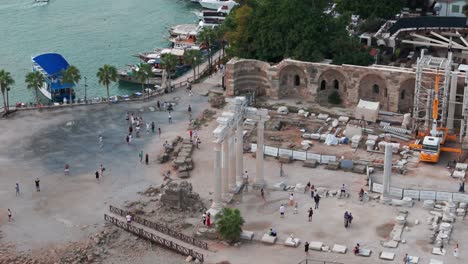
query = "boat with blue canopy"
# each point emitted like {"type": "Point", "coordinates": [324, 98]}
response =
{"type": "Point", "coordinates": [52, 66]}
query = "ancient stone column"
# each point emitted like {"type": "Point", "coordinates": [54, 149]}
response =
{"type": "Point", "coordinates": [217, 174]}
{"type": "Point", "coordinates": [239, 153]}
{"type": "Point", "coordinates": [225, 165]}
{"type": "Point", "coordinates": [259, 178]}
{"type": "Point", "coordinates": [387, 173]}
{"type": "Point", "coordinates": [232, 163]}
{"type": "Point", "coordinates": [452, 99]}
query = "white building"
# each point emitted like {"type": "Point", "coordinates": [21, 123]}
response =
{"type": "Point", "coordinates": [450, 7]}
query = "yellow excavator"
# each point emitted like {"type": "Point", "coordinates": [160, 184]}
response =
{"type": "Point", "coordinates": [433, 140]}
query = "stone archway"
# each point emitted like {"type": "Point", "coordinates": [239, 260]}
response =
{"type": "Point", "coordinates": [372, 87]}
{"type": "Point", "coordinates": [292, 82]}
{"type": "Point", "coordinates": [406, 96]}
{"type": "Point", "coordinates": [329, 81]}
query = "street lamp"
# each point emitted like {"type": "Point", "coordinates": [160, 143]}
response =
{"type": "Point", "coordinates": [85, 88]}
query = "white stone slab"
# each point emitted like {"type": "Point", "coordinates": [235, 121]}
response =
{"type": "Point", "coordinates": [364, 252]}
{"type": "Point", "coordinates": [299, 155]}
{"type": "Point", "coordinates": [285, 152]}
{"type": "Point", "coordinates": [315, 245]}
{"type": "Point", "coordinates": [396, 192]}
{"type": "Point", "coordinates": [324, 159]}
{"type": "Point", "coordinates": [253, 147]}
{"type": "Point", "coordinates": [458, 197]}
{"type": "Point", "coordinates": [376, 187]}
{"type": "Point", "coordinates": [437, 251]}
{"type": "Point", "coordinates": [411, 193]}
{"type": "Point", "coordinates": [459, 174]}
{"type": "Point", "coordinates": [435, 261]}
{"type": "Point", "coordinates": [268, 239]}
{"type": "Point", "coordinates": [461, 166]}
{"type": "Point", "coordinates": [413, 259]}
{"type": "Point", "coordinates": [292, 242]}
{"type": "Point", "coordinates": [443, 196]}
{"type": "Point", "coordinates": [427, 195]}
{"type": "Point", "coordinates": [313, 156]}
{"type": "Point", "coordinates": [390, 244]}
{"type": "Point", "coordinates": [387, 255]}
{"type": "Point", "coordinates": [247, 235]}
{"type": "Point", "coordinates": [271, 151]}
{"type": "Point", "coordinates": [339, 249]}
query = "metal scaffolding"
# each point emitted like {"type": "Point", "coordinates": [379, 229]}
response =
{"type": "Point", "coordinates": [427, 68]}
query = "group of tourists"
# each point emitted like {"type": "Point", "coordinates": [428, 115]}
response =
{"type": "Point", "coordinates": [206, 219]}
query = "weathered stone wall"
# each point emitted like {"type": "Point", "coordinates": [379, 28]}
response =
{"type": "Point", "coordinates": [392, 87]}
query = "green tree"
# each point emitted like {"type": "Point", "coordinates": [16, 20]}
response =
{"type": "Point", "coordinates": [6, 81]}
{"type": "Point", "coordinates": [142, 74]}
{"type": "Point", "coordinates": [207, 36]}
{"type": "Point", "coordinates": [229, 223]}
{"type": "Point", "coordinates": [366, 8]}
{"type": "Point", "coordinates": [193, 58]}
{"type": "Point", "coordinates": [219, 34]}
{"type": "Point", "coordinates": [107, 74]}
{"type": "Point", "coordinates": [34, 80]}
{"type": "Point", "coordinates": [71, 76]}
{"type": "Point", "coordinates": [169, 62]}
{"type": "Point", "coordinates": [349, 51]}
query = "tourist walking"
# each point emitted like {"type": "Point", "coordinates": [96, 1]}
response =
{"type": "Point", "coordinates": [197, 143]}
{"type": "Point", "coordinates": [140, 155]}
{"type": "Point", "coordinates": [312, 191]}
{"type": "Point", "coordinates": [130, 130]}
{"type": "Point", "coordinates": [291, 199]}
{"type": "Point", "coordinates": [127, 116]}
{"type": "Point", "coordinates": [67, 169]}
{"type": "Point", "coordinates": [159, 131]}
{"type": "Point", "coordinates": [130, 139]}
{"type": "Point", "coordinates": [148, 128]}
{"type": "Point", "coordinates": [343, 191]}
{"type": "Point", "coordinates": [17, 189]}
{"type": "Point", "coordinates": [306, 248]}
{"type": "Point", "coordinates": [311, 212]}
{"type": "Point", "coordinates": [462, 187]}
{"type": "Point", "coordinates": [147, 159]}
{"type": "Point", "coordinates": [262, 193]}
{"type": "Point", "coordinates": [128, 217]}
{"type": "Point", "coordinates": [97, 175]}
{"type": "Point", "coordinates": [37, 182]}
{"type": "Point", "coordinates": [208, 219]}
{"type": "Point", "coordinates": [100, 141]}
{"type": "Point", "coordinates": [102, 169]}
{"type": "Point", "coordinates": [153, 126]}
{"type": "Point", "coordinates": [170, 118]}
{"type": "Point", "coordinates": [204, 219]}
{"type": "Point", "coordinates": [307, 188]}
{"type": "Point", "coordinates": [456, 251]}
{"type": "Point", "coordinates": [406, 259]}
{"type": "Point", "coordinates": [281, 170]}
{"type": "Point", "coordinates": [282, 210]}
{"type": "Point", "coordinates": [10, 215]}
{"type": "Point", "coordinates": [190, 134]}
{"type": "Point", "coordinates": [158, 105]}
{"type": "Point", "coordinates": [245, 181]}
{"type": "Point", "coordinates": [346, 219]}
{"type": "Point", "coordinates": [165, 106]}
{"type": "Point", "coordinates": [350, 218]}
{"type": "Point", "coordinates": [317, 200]}
{"type": "Point", "coordinates": [295, 207]}
{"type": "Point", "coordinates": [189, 110]}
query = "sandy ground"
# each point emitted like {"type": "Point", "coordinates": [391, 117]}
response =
{"type": "Point", "coordinates": [70, 208]}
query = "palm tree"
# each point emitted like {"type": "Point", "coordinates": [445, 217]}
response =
{"type": "Point", "coordinates": [206, 35]}
{"type": "Point", "coordinates": [142, 74]}
{"type": "Point", "coordinates": [169, 62]}
{"type": "Point", "coordinates": [192, 58]}
{"type": "Point", "coordinates": [220, 36]}
{"type": "Point", "coordinates": [106, 75]}
{"type": "Point", "coordinates": [71, 76]}
{"type": "Point", "coordinates": [5, 82]}
{"type": "Point", "coordinates": [34, 80]}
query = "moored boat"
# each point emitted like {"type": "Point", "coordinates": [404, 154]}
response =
{"type": "Point", "coordinates": [51, 66]}
{"type": "Point", "coordinates": [216, 4]}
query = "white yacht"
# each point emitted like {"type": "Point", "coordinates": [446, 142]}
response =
{"type": "Point", "coordinates": [216, 4]}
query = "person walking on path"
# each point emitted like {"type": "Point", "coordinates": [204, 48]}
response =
{"type": "Point", "coordinates": [130, 139]}
{"type": "Point", "coordinates": [350, 218]}
{"type": "Point", "coordinates": [190, 134]}
{"type": "Point", "coordinates": [208, 219]}
{"type": "Point", "coordinates": [245, 181]}
{"type": "Point", "coordinates": [102, 169]}
{"type": "Point", "coordinates": [462, 187]}
{"type": "Point", "coordinates": [17, 189]}
{"type": "Point", "coordinates": [343, 191]}
{"type": "Point", "coordinates": [101, 142]}
{"type": "Point", "coordinates": [37, 182]}
{"type": "Point", "coordinates": [127, 138]}
{"type": "Point", "coordinates": [97, 175]}
{"type": "Point", "coordinates": [456, 251]}
{"type": "Point", "coordinates": [406, 259]}
{"type": "Point", "coordinates": [262, 193]}
{"type": "Point", "coordinates": [9, 215]}
{"type": "Point", "coordinates": [148, 128]}
{"type": "Point", "coordinates": [306, 248]}
{"type": "Point", "coordinates": [291, 199]}
{"type": "Point", "coordinates": [140, 155]}
{"type": "Point", "coordinates": [281, 170]}
{"type": "Point", "coordinates": [170, 118]}
{"type": "Point", "coordinates": [153, 126]}
{"type": "Point", "coordinates": [130, 130]}
{"type": "Point", "coordinates": [307, 188]}
{"type": "Point", "coordinates": [204, 219]}
{"type": "Point", "coordinates": [295, 207]}
{"type": "Point", "coordinates": [282, 210]}
{"type": "Point", "coordinates": [346, 219]}
{"type": "Point", "coordinates": [317, 200]}
{"type": "Point", "coordinates": [147, 159]}
{"type": "Point", "coordinates": [311, 212]}
{"type": "Point", "coordinates": [67, 169]}
{"type": "Point", "coordinates": [197, 143]}
{"type": "Point", "coordinates": [159, 131]}
{"type": "Point", "coordinates": [312, 191]}
{"type": "Point", "coordinates": [158, 105]}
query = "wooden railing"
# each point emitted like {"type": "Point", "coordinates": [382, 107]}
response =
{"type": "Point", "coordinates": [154, 238]}
{"type": "Point", "coordinates": [161, 228]}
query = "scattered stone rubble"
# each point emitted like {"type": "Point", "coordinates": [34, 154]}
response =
{"type": "Point", "coordinates": [183, 163]}
{"type": "Point", "coordinates": [181, 196]}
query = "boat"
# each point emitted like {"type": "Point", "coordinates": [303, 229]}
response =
{"type": "Point", "coordinates": [209, 16]}
{"type": "Point", "coordinates": [216, 4]}
{"type": "Point", "coordinates": [51, 66]}
{"type": "Point", "coordinates": [126, 75]}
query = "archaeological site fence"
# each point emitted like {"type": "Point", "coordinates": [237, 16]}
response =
{"type": "Point", "coordinates": [154, 238]}
{"type": "Point", "coordinates": [418, 194]}
{"type": "Point", "coordinates": [161, 228]}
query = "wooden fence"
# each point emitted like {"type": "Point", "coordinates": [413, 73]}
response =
{"type": "Point", "coordinates": [161, 228]}
{"type": "Point", "coordinates": [154, 238]}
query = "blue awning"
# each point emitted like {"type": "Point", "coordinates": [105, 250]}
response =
{"type": "Point", "coordinates": [52, 63]}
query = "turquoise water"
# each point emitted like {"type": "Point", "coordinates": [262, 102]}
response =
{"type": "Point", "coordinates": [88, 33]}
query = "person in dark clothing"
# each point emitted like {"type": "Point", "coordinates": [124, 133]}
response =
{"type": "Point", "coordinates": [153, 126]}
{"type": "Point", "coordinates": [38, 188]}
{"type": "Point", "coordinates": [130, 130]}
{"type": "Point", "coordinates": [306, 248]}
{"type": "Point", "coordinates": [462, 187]}
{"type": "Point", "coordinates": [346, 219]}
{"type": "Point", "coordinates": [317, 200]}
{"type": "Point", "coordinates": [158, 104]}
{"type": "Point", "coordinates": [147, 159]}
{"type": "Point", "coordinates": [97, 175]}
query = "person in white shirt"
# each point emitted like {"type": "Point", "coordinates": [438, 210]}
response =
{"type": "Point", "coordinates": [129, 218]}
{"type": "Point", "coordinates": [282, 211]}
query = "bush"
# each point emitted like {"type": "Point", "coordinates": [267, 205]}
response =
{"type": "Point", "coordinates": [334, 98]}
{"type": "Point", "coordinates": [229, 224]}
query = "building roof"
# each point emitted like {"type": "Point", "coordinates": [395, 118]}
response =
{"type": "Point", "coordinates": [428, 22]}
{"type": "Point", "coordinates": [51, 63]}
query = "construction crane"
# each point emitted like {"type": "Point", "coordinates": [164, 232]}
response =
{"type": "Point", "coordinates": [433, 140]}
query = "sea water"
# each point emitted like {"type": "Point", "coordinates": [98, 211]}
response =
{"type": "Point", "coordinates": [88, 33]}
